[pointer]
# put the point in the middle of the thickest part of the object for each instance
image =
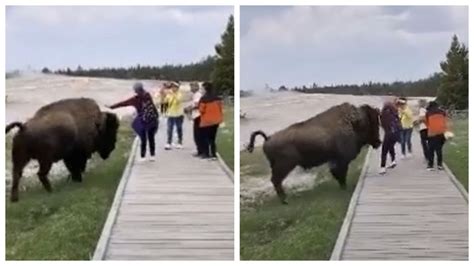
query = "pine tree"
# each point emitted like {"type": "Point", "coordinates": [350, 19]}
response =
{"type": "Point", "coordinates": [223, 73]}
{"type": "Point", "coordinates": [45, 70]}
{"type": "Point", "coordinates": [453, 91]}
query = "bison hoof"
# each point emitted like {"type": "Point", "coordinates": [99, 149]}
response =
{"type": "Point", "coordinates": [77, 179]}
{"type": "Point", "coordinates": [14, 198]}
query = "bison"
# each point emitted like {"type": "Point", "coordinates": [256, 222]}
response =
{"type": "Point", "coordinates": [69, 130]}
{"type": "Point", "coordinates": [335, 136]}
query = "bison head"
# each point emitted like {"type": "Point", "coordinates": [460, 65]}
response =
{"type": "Point", "coordinates": [369, 126]}
{"type": "Point", "coordinates": [107, 134]}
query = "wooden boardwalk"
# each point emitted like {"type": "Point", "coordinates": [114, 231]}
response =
{"type": "Point", "coordinates": [177, 208]}
{"type": "Point", "coordinates": [407, 214]}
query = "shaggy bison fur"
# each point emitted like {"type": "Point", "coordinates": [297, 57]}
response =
{"type": "Point", "coordinates": [335, 136]}
{"type": "Point", "coordinates": [69, 130]}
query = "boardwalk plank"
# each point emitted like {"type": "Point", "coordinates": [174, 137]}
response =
{"type": "Point", "coordinates": [408, 214]}
{"type": "Point", "coordinates": [177, 208]}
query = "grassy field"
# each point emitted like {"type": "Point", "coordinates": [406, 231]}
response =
{"type": "Point", "coordinates": [66, 224]}
{"type": "Point", "coordinates": [456, 152]}
{"type": "Point", "coordinates": [225, 137]}
{"type": "Point", "coordinates": [306, 229]}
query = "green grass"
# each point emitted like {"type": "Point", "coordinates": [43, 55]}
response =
{"type": "Point", "coordinates": [306, 229]}
{"type": "Point", "coordinates": [456, 152]}
{"type": "Point", "coordinates": [225, 137]}
{"type": "Point", "coordinates": [66, 224]}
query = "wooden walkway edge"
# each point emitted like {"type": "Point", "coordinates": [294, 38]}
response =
{"type": "Point", "coordinates": [456, 182]}
{"type": "Point", "coordinates": [176, 208]}
{"type": "Point", "coordinates": [109, 222]}
{"type": "Point", "coordinates": [225, 168]}
{"type": "Point", "coordinates": [407, 214]}
{"type": "Point", "coordinates": [346, 224]}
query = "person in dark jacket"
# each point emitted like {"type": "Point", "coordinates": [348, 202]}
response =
{"type": "Point", "coordinates": [211, 111]}
{"type": "Point", "coordinates": [146, 122]}
{"type": "Point", "coordinates": [391, 125]}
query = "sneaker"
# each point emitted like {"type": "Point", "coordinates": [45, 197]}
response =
{"type": "Point", "coordinates": [409, 155]}
{"type": "Point", "coordinates": [403, 157]}
{"type": "Point", "coordinates": [430, 168]}
{"type": "Point", "coordinates": [213, 158]}
{"type": "Point", "coordinates": [152, 158]}
{"type": "Point", "coordinates": [393, 164]}
{"type": "Point", "coordinates": [167, 147]}
{"type": "Point", "coordinates": [441, 168]}
{"type": "Point", "coordinates": [382, 170]}
{"type": "Point", "coordinates": [141, 159]}
{"type": "Point", "coordinates": [178, 146]}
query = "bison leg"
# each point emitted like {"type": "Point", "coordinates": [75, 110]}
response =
{"type": "Point", "coordinates": [339, 171]}
{"type": "Point", "coordinates": [82, 164]}
{"type": "Point", "coordinates": [17, 173]}
{"type": "Point", "coordinates": [74, 168]}
{"type": "Point", "coordinates": [43, 172]}
{"type": "Point", "coordinates": [279, 173]}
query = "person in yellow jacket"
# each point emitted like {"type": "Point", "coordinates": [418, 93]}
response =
{"type": "Point", "coordinates": [406, 119]}
{"type": "Point", "coordinates": [175, 114]}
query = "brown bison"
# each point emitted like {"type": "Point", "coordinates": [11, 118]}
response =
{"type": "Point", "coordinates": [69, 130]}
{"type": "Point", "coordinates": [335, 136]}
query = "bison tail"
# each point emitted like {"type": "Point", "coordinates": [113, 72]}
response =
{"type": "Point", "coordinates": [251, 145]}
{"type": "Point", "coordinates": [13, 125]}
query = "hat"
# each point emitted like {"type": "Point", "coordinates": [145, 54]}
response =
{"type": "Point", "coordinates": [174, 84]}
{"type": "Point", "coordinates": [402, 100]}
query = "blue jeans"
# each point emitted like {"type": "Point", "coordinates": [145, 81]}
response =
{"type": "Point", "coordinates": [178, 122]}
{"type": "Point", "coordinates": [405, 139]}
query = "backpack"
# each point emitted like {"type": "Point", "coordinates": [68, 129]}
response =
{"type": "Point", "coordinates": [149, 111]}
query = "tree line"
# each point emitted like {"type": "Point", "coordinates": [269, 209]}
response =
{"type": "Point", "coordinates": [449, 86]}
{"type": "Point", "coordinates": [189, 72]}
{"type": "Point", "coordinates": [422, 87]}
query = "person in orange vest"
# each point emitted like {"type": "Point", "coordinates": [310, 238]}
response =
{"type": "Point", "coordinates": [436, 123]}
{"type": "Point", "coordinates": [211, 111]}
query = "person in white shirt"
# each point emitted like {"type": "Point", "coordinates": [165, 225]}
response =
{"type": "Point", "coordinates": [196, 116]}
{"type": "Point", "coordinates": [421, 121]}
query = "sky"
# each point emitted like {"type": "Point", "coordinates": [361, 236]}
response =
{"type": "Point", "coordinates": [97, 36]}
{"type": "Point", "coordinates": [328, 45]}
